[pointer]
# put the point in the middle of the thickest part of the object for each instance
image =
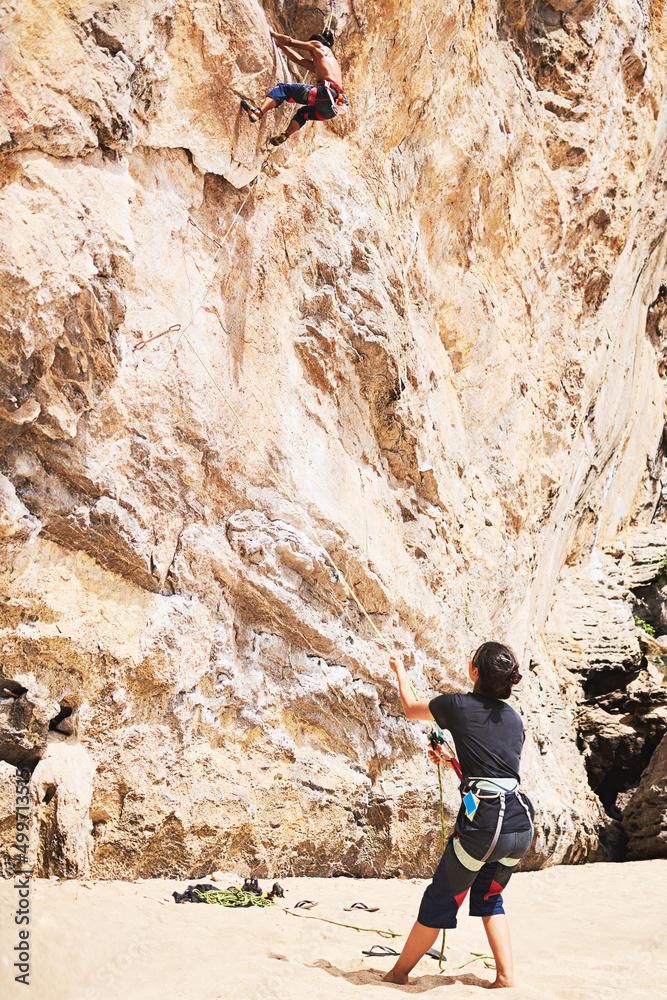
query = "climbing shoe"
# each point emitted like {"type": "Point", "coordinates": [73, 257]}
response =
{"type": "Point", "coordinates": [278, 140]}
{"type": "Point", "coordinates": [253, 113]}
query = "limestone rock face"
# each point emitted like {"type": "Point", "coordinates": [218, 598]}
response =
{"type": "Point", "coordinates": [438, 320]}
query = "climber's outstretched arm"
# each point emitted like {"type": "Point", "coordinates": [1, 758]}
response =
{"type": "Point", "coordinates": [413, 709]}
{"type": "Point", "coordinates": [284, 40]}
{"type": "Point", "coordinates": [296, 58]}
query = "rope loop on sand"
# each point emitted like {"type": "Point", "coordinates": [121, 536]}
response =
{"type": "Point", "coordinates": [354, 927]}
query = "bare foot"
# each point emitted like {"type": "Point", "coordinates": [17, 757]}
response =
{"type": "Point", "coordinates": [393, 977]}
{"type": "Point", "coordinates": [499, 984]}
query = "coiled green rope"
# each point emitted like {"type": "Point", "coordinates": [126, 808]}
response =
{"type": "Point", "coordinates": [234, 897]}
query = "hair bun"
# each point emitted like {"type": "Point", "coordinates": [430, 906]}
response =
{"type": "Point", "coordinates": [498, 670]}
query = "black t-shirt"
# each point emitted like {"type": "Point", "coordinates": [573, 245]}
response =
{"type": "Point", "coordinates": [488, 734]}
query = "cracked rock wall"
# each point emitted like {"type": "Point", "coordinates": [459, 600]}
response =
{"type": "Point", "coordinates": [432, 315]}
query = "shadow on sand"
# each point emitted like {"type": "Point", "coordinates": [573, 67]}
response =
{"type": "Point", "coordinates": [420, 984]}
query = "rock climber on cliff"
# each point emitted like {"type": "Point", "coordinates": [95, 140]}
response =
{"type": "Point", "coordinates": [321, 101]}
{"type": "Point", "coordinates": [494, 827]}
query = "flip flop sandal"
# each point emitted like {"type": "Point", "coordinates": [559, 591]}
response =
{"type": "Point", "coordinates": [380, 951]}
{"type": "Point", "coordinates": [435, 953]}
{"type": "Point", "coordinates": [360, 906]}
{"type": "Point", "coordinates": [305, 904]}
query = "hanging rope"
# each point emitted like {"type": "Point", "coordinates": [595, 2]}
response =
{"type": "Point", "coordinates": [339, 575]}
{"type": "Point", "coordinates": [327, 23]}
{"type": "Point", "coordinates": [338, 572]}
{"type": "Point", "coordinates": [428, 40]}
{"type": "Point", "coordinates": [315, 537]}
{"type": "Point", "coordinates": [303, 516]}
{"type": "Point", "coordinates": [208, 273]}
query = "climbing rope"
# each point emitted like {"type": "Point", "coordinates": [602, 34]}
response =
{"type": "Point", "coordinates": [489, 961]}
{"type": "Point", "coordinates": [208, 273]}
{"type": "Point", "coordinates": [242, 898]}
{"type": "Point", "coordinates": [299, 510]}
{"type": "Point", "coordinates": [320, 544]}
{"type": "Point", "coordinates": [428, 40]}
{"type": "Point", "coordinates": [337, 571]}
{"type": "Point", "coordinates": [233, 897]}
{"type": "Point", "coordinates": [332, 10]}
{"type": "Point", "coordinates": [339, 575]}
{"type": "Point", "coordinates": [354, 927]}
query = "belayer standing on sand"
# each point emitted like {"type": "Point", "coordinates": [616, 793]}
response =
{"type": "Point", "coordinates": [494, 827]}
{"type": "Point", "coordinates": [321, 101]}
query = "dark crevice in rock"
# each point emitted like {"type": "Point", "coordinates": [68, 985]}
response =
{"type": "Point", "coordinates": [602, 682]}
{"type": "Point", "coordinates": [644, 816]}
{"type": "Point", "coordinates": [104, 37]}
{"type": "Point", "coordinates": [650, 605]}
{"type": "Point", "coordinates": [22, 735]}
{"type": "Point", "coordinates": [618, 731]}
{"type": "Point", "coordinates": [11, 688]}
{"type": "Point", "coordinates": [49, 793]}
{"type": "Point", "coordinates": [62, 722]}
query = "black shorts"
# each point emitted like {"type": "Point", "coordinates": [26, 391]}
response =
{"type": "Point", "coordinates": [460, 871]}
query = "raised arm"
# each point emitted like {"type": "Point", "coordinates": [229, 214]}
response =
{"type": "Point", "coordinates": [284, 40]}
{"type": "Point", "coordinates": [296, 58]}
{"type": "Point", "coordinates": [413, 709]}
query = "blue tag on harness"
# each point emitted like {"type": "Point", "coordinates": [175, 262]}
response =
{"type": "Point", "coordinates": [470, 803]}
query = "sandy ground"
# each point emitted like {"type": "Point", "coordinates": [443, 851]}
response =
{"type": "Point", "coordinates": [595, 931]}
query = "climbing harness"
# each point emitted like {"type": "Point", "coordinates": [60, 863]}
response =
{"type": "Point", "coordinates": [337, 99]}
{"type": "Point", "coordinates": [478, 789]}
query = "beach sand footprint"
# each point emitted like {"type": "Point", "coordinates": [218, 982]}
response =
{"type": "Point", "coordinates": [420, 984]}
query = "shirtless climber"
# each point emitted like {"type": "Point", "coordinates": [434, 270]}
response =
{"type": "Point", "coordinates": [322, 101]}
